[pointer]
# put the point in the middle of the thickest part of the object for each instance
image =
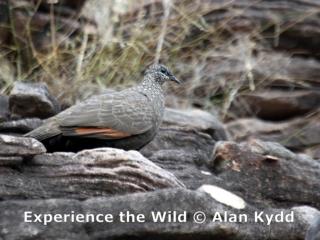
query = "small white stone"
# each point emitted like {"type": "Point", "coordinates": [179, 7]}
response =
{"type": "Point", "coordinates": [223, 196]}
{"type": "Point", "coordinates": [206, 173]}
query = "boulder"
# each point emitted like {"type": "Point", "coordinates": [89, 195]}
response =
{"type": "Point", "coordinates": [296, 134]}
{"type": "Point", "coordinates": [277, 104]}
{"type": "Point", "coordinates": [184, 144]}
{"type": "Point", "coordinates": [314, 230]}
{"type": "Point", "coordinates": [97, 172]}
{"type": "Point", "coordinates": [181, 150]}
{"type": "Point", "coordinates": [197, 119]}
{"type": "Point", "coordinates": [30, 100]}
{"type": "Point", "coordinates": [266, 173]}
{"type": "Point", "coordinates": [20, 146]}
{"type": "Point", "coordinates": [314, 152]}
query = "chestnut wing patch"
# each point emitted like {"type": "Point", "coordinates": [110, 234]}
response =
{"type": "Point", "coordinates": [94, 132]}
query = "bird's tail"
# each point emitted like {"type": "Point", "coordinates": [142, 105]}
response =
{"type": "Point", "coordinates": [49, 129]}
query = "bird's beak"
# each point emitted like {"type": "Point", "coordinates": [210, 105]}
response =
{"type": "Point", "coordinates": [173, 78]}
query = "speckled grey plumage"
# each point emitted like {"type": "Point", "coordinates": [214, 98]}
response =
{"type": "Point", "coordinates": [137, 111]}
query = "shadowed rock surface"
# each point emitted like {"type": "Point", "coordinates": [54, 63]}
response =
{"type": "Point", "coordinates": [20, 126]}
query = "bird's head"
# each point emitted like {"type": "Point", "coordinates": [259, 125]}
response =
{"type": "Point", "coordinates": [160, 73]}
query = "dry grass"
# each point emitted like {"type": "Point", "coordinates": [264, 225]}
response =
{"type": "Point", "coordinates": [205, 55]}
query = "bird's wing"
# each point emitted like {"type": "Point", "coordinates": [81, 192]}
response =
{"type": "Point", "coordinates": [110, 116]}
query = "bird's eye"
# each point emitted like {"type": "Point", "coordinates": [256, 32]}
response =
{"type": "Point", "coordinates": [164, 71]}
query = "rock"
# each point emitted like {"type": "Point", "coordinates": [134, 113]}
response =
{"type": "Point", "coordinates": [189, 202]}
{"type": "Point", "coordinates": [189, 167]}
{"type": "Point", "coordinates": [313, 152]}
{"type": "Point", "coordinates": [32, 100]}
{"type": "Point", "coordinates": [184, 152]}
{"type": "Point", "coordinates": [266, 173]}
{"type": "Point", "coordinates": [296, 134]}
{"type": "Point", "coordinates": [10, 160]}
{"type": "Point", "coordinates": [20, 146]}
{"type": "Point", "coordinates": [185, 133]}
{"type": "Point", "coordinates": [253, 18]}
{"type": "Point", "coordinates": [97, 172]}
{"type": "Point", "coordinates": [296, 77]}
{"type": "Point", "coordinates": [20, 126]}
{"type": "Point", "coordinates": [311, 217]}
{"type": "Point", "coordinates": [197, 119]}
{"type": "Point", "coordinates": [184, 144]}
{"type": "Point", "coordinates": [314, 231]}
{"type": "Point", "coordinates": [13, 217]}
{"type": "Point", "coordinates": [277, 104]}
{"type": "Point", "coordinates": [183, 139]}
{"type": "Point", "coordinates": [182, 201]}
{"type": "Point", "coordinates": [223, 196]}
{"type": "Point", "coordinates": [4, 108]}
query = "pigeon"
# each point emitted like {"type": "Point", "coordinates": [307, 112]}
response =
{"type": "Point", "coordinates": [127, 119]}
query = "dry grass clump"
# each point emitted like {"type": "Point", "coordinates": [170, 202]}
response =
{"type": "Point", "coordinates": [214, 53]}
